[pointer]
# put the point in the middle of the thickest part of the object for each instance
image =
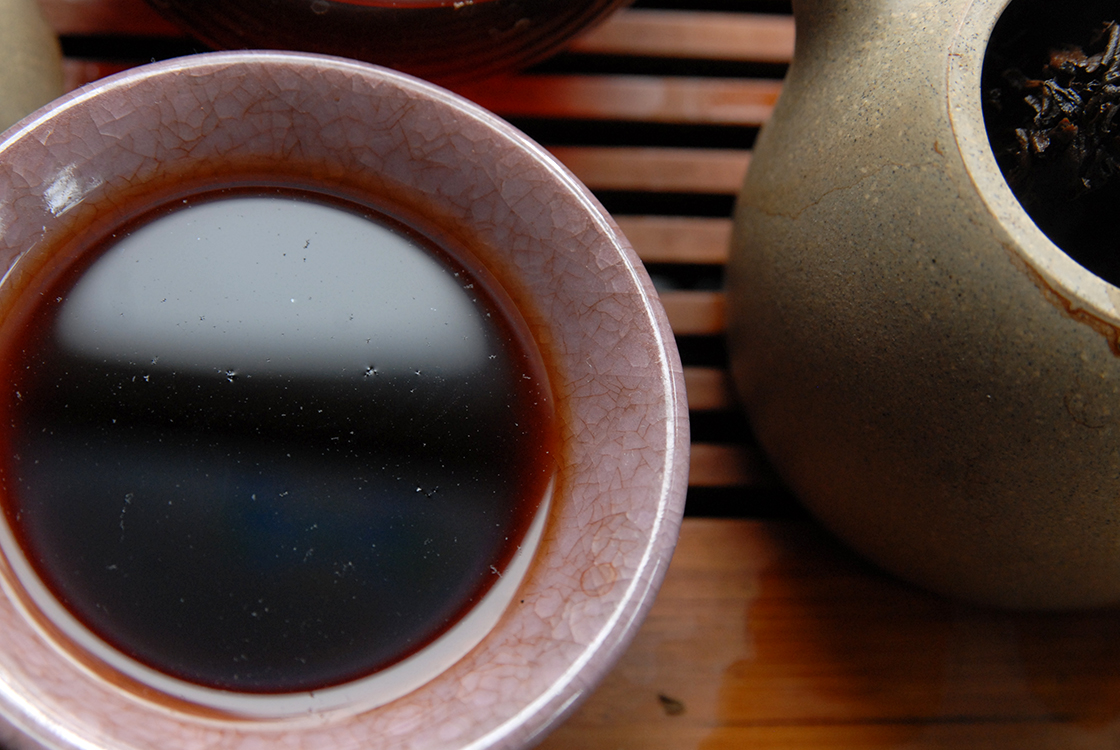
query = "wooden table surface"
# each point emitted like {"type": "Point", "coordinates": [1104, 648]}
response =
{"type": "Point", "coordinates": [767, 633]}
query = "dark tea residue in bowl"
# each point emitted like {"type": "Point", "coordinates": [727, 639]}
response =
{"type": "Point", "coordinates": [268, 443]}
{"type": "Point", "coordinates": [1051, 86]}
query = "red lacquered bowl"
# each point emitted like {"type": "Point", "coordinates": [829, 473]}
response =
{"type": "Point", "coordinates": [442, 40]}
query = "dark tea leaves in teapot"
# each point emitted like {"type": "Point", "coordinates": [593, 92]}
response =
{"type": "Point", "coordinates": [1052, 109]}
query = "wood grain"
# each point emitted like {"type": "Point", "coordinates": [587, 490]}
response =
{"type": "Point", "coordinates": [709, 389]}
{"type": "Point", "coordinates": [747, 37]}
{"type": "Point", "coordinates": [695, 101]}
{"type": "Point", "coordinates": [695, 313]}
{"type": "Point", "coordinates": [678, 239]}
{"type": "Point", "coordinates": [678, 170]}
{"type": "Point", "coordinates": [106, 18]}
{"type": "Point", "coordinates": [771, 635]}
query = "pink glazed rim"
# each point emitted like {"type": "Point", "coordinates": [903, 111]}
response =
{"type": "Point", "coordinates": [235, 118]}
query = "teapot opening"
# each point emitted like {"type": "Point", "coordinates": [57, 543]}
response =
{"type": "Point", "coordinates": [1051, 102]}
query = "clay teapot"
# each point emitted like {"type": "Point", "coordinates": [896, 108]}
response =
{"type": "Point", "coordinates": [30, 61]}
{"type": "Point", "coordinates": [935, 378]}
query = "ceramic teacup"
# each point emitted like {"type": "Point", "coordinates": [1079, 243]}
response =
{"type": "Point", "coordinates": [79, 184]}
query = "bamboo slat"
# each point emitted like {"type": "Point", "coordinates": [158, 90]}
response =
{"type": "Point", "coordinates": [678, 239]}
{"type": "Point", "coordinates": [709, 389]}
{"type": "Point", "coordinates": [106, 18]}
{"type": "Point", "coordinates": [682, 100]}
{"type": "Point", "coordinates": [680, 170]}
{"type": "Point", "coordinates": [695, 313]}
{"type": "Point", "coordinates": [748, 37]}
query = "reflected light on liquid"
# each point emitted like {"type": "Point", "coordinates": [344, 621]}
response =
{"type": "Point", "coordinates": [345, 296]}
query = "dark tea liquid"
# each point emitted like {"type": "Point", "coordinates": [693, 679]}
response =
{"type": "Point", "coordinates": [267, 442]}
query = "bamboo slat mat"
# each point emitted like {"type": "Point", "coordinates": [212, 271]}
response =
{"type": "Point", "coordinates": [767, 634]}
{"type": "Point", "coordinates": [594, 109]}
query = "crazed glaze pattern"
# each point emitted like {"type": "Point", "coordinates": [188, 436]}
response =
{"type": "Point", "coordinates": [174, 127]}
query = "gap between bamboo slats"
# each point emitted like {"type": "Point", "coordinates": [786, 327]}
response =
{"type": "Point", "coordinates": [77, 73]}
{"type": "Point", "coordinates": [680, 170]}
{"type": "Point", "coordinates": [743, 37]}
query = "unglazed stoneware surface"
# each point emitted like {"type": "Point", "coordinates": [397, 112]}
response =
{"type": "Point", "coordinates": [30, 61]}
{"type": "Point", "coordinates": [935, 378]}
{"type": "Point", "coordinates": [173, 128]}
{"type": "Point", "coordinates": [439, 40]}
